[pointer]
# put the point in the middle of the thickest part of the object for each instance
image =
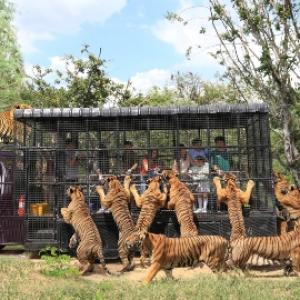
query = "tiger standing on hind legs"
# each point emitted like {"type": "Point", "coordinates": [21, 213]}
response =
{"type": "Point", "coordinates": [234, 198]}
{"type": "Point", "coordinates": [242, 248]}
{"type": "Point", "coordinates": [289, 197]}
{"type": "Point", "coordinates": [90, 246]}
{"type": "Point", "coordinates": [149, 202]}
{"type": "Point", "coordinates": [117, 200]}
{"type": "Point", "coordinates": [181, 199]}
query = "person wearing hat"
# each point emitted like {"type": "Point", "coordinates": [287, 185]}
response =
{"type": "Point", "coordinates": [199, 173]}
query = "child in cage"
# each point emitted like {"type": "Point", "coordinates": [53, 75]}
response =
{"type": "Point", "coordinates": [199, 173]}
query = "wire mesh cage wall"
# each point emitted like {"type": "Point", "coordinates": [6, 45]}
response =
{"type": "Point", "coordinates": [11, 224]}
{"type": "Point", "coordinates": [112, 140]}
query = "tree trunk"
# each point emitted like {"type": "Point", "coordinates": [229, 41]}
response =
{"type": "Point", "coordinates": [291, 152]}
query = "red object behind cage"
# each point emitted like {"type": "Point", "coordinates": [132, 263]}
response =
{"type": "Point", "coordinates": [21, 209]}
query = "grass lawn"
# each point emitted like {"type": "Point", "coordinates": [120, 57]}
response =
{"type": "Point", "coordinates": [24, 279]}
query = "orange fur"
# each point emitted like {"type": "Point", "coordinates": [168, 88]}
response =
{"type": "Point", "coordinates": [8, 126]}
{"type": "Point", "coordinates": [117, 201]}
{"type": "Point", "coordinates": [234, 198]}
{"type": "Point", "coordinates": [150, 202]}
{"type": "Point", "coordinates": [168, 253]}
{"type": "Point", "coordinates": [181, 199]}
{"type": "Point", "coordinates": [90, 246]}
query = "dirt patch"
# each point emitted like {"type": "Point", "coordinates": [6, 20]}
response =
{"type": "Point", "coordinates": [138, 274]}
{"type": "Point", "coordinates": [187, 273]}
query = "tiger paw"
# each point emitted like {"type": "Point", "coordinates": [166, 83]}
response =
{"type": "Point", "coordinates": [133, 188]}
{"type": "Point", "coordinates": [216, 179]}
{"type": "Point", "coordinates": [251, 183]}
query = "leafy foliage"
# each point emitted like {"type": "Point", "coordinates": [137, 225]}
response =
{"type": "Point", "coordinates": [83, 83]}
{"type": "Point", "coordinates": [11, 66]}
{"type": "Point", "coordinates": [260, 48]}
{"type": "Point", "coordinates": [187, 89]}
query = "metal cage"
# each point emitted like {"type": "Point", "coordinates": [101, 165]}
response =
{"type": "Point", "coordinates": [11, 224]}
{"type": "Point", "coordinates": [98, 140]}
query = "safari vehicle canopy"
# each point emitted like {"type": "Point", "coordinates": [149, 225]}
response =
{"type": "Point", "coordinates": [99, 138]}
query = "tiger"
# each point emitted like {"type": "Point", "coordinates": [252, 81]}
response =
{"type": "Point", "coordinates": [234, 198]}
{"type": "Point", "coordinates": [90, 246]}
{"type": "Point", "coordinates": [243, 248]}
{"type": "Point", "coordinates": [117, 200]}
{"type": "Point", "coordinates": [150, 202]}
{"type": "Point", "coordinates": [181, 199]}
{"type": "Point", "coordinates": [271, 247]}
{"type": "Point", "coordinates": [8, 124]}
{"type": "Point", "coordinates": [288, 195]}
{"type": "Point", "coordinates": [168, 253]}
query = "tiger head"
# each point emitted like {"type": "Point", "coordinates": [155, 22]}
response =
{"type": "Point", "coordinates": [281, 184]}
{"type": "Point", "coordinates": [113, 183]}
{"type": "Point", "coordinates": [277, 176]}
{"type": "Point", "coordinates": [230, 180]}
{"type": "Point", "coordinates": [135, 240]}
{"type": "Point", "coordinates": [169, 174]}
{"type": "Point", "coordinates": [76, 194]}
{"type": "Point", "coordinates": [154, 182]}
{"type": "Point", "coordinates": [75, 190]}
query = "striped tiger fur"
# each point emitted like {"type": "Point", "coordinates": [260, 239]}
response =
{"type": "Point", "coordinates": [181, 199]}
{"type": "Point", "coordinates": [117, 200]}
{"type": "Point", "coordinates": [90, 246]}
{"type": "Point", "coordinates": [150, 202]}
{"type": "Point", "coordinates": [289, 196]}
{"type": "Point", "coordinates": [168, 253]}
{"type": "Point", "coordinates": [271, 247]}
{"type": "Point", "coordinates": [234, 198]}
{"type": "Point", "coordinates": [7, 123]}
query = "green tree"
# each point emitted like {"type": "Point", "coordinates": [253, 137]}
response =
{"type": "Point", "coordinates": [83, 83]}
{"type": "Point", "coordinates": [260, 48]}
{"type": "Point", "coordinates": [187, 89]}
{"type": "Point", "coordinates": [11, 66]}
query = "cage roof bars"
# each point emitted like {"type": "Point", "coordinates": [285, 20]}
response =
{"type": "Point", "coordinates": [138, 111]}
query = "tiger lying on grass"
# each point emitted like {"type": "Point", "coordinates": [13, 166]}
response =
{"type": "Point", "coordinates": [150, 202]}
{"type": "Point", "coordinates": [168, 253]}
{"type": "Point", "coordinates": [117, 201]}
{"type": "Point", "coordinates": [181, 199]}
{"type": "Point", "coordinates": [90, 246]}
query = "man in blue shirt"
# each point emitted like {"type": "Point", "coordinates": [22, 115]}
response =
{"type": "Point", "coordinates": [197, 150]}
{"type": "Point", "coordinates": [220, 158]}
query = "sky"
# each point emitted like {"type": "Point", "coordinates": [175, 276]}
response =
{"type": "Point", "coordinates": [137, 41]}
